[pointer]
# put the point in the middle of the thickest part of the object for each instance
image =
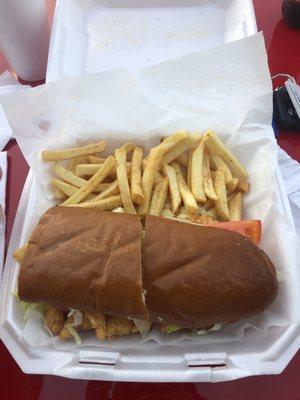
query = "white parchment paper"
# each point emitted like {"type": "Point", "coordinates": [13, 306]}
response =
{"type": "Point", "coordinates": [227, 89]}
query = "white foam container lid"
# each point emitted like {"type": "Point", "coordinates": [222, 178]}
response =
{"type": "Point", "coordinates": [138, 34]}
{"type": "Point", "coordinates": [94, 35]}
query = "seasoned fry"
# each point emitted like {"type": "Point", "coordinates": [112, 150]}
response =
{"type": "Point", "coordinates": [235, 207]}
{"type": "Point", "coordinates": [181, 147]}
{"type": "Point", "coordinates": [20, 252]}
{"type": "Point", "coordinates": [167, 213]}
{"type": "Point", "coordinates": [68, 176]}
{"type": "Point", "coordinates": [151, 168]}
{"type": "Point", "coordinates": [220, 165]}
{"type": "Point", "coordinates": [104, 204]}
{"type": "Point", "coordinates": [173, 187]}
{"type": "Point", "coordinates": [91, 184]}
{"type": "Point", "coordinates": [91, 169]}
{"type": "Point", "coordinates": [136, 176]}
{"type": "Point", "coordinates": [128, 147]}
{"type": "Point", "coordinates": [231, 186]}
{"type": "Point", "coordinates": [120, 155]}
{"type": "Point", "coordinates": [167, 205]}
{"type": "Point", "coordinates": [189, 168]}
{"type": "Point", "coordinates": [220, 189]}
{"type": "Point", "coordinates": [216, 146]}
{"type": "Point", "coordinates": [158, 198]}
{"type": "Point", "coordinates": [183, 159]}
{"type": "Point", "coordinates": [171, 141]}
{"type": "Point", "coordinates": [243, 186]}
{"type": "Point", "coordinates": [95, 160]}
{"type": "Point", "coordinates": [196, 173]}
{"type": "Point", "coordinates": [111, 190]}
{"type": "Point", "coordinates": [158, 178]}
{"type": "Point", "coordinates": [59, 194]}
{"type": "Point", "coordinates": [75, 161]}
{"type": "Point", "coordinates": [64, 187]}
{"type": "Point", "coordinates": [189, 201]}
{"type": "Point", "coordinates": [57, 155]}
{"type": "Point", "coordinates": [207, 181]}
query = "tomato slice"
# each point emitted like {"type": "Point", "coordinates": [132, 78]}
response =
{"type": "Point", "coordinates": [250, 228]}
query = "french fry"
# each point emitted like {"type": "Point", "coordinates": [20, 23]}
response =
{"type": "Point", "coordinates": [75, 161]}
{"type": "Point", "coordinates": [181, 147]}
{"type": "Point", "coordinates": [57, 155]}
{"type": "Point", "coordinates": [74, 180]}
{"type": "Point", "coordinates": [183, 159]}
{"type": "Point", "coordinates": [167, 205]}
{"type": "Point", "coordinates": [158, 198]}
{"type": "Point", "coordinates": [20, 252]}
{"type": "Point", "coordinates": [158, 178]}
{"type": "Point", "coordinates": [136, 176]}
{"type": "Point", "coordinates": [221, 204]}
{"type": "Point", "coordinates": [95, 160]}
{"type": "Point", "coordinates": [196, 173]}
{"type": "Point", "coordinates": [189, 201]}
{"type": "Point", "coordinates": [91, 169]}
{"type": "Point", "coordinates": [189, 168]}
{"type": "Point", "coordinates": [207, 181]}
{"type": "Point", "coordinates": [128, 147]}
{"type": "Point", "coordinates": [120, 155]}
{"type": "Point", "coordinates": [167, 213]}
{"type": "Point", "coordinates": [59, 194]}
{"type": "Point", "coordinates": [220, 165]}
{"type": "Point", "coordinates": [68, 176]}
{"type": "Point", "coordinates": [92, 183]}
{"type": "Point", "coordinates": [216, 146]}
{"type": "Point", "coordinates": [105, 204]}
{"type": "Point", "coordinates": [243, 186]}
{"type": "Point", "coordinates": [111, 190]}
{"type": "Point", "coordinates": [64, 187]}
{"type": "Point", "coordinates": [173, 187]}
{"type": "Point", "coordinates": [231, 186]}
{"type": "Point", "coordinates": [171, 141]}
{"type": "Point", "coordinates": [235, 207]}
{"type": "Point", "coordinates": [151, 168]}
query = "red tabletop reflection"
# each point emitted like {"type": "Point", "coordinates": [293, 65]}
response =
{"type": "Point", "coordinates": [284, 57]}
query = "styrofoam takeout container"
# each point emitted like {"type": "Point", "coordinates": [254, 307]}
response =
{"type": "Point", "coordinates": [75, 50]}
{"type": "Point", "coordinates": [94, 35]}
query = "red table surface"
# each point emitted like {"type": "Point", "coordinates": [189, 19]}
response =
{"type": "Point", "coordinates": [284, 57]}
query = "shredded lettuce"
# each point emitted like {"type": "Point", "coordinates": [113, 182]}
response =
{"type": "Point", "coordinates": [74, 333]}
{"type": "Point", "coordinates": [279, 276]}
{"type": "Point", "coordinates": [216, 327]}
{"type": "Point", "coordinates": [27, 308]}
{"type": "Point", "coordinates": [171, 328]}
{"type": "Point", "coordinates": [77, 317]}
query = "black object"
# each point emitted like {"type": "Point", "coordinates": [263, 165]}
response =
{"type": "Point", "coordinates": [285, 115]}
{"type": "Point", "coordinates": [291, 13]}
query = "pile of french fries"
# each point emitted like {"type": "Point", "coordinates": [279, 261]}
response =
{"type": "Point", "coordinates": [187, 176]}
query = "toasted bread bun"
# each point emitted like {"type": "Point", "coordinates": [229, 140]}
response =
{"type": "Point", "coordinates": [86, 259]}
{"type": "Point", "coordinates": [197, 276]}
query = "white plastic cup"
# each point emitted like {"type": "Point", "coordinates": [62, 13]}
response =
{"type": "Point", "coordinates": [24, 37]}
